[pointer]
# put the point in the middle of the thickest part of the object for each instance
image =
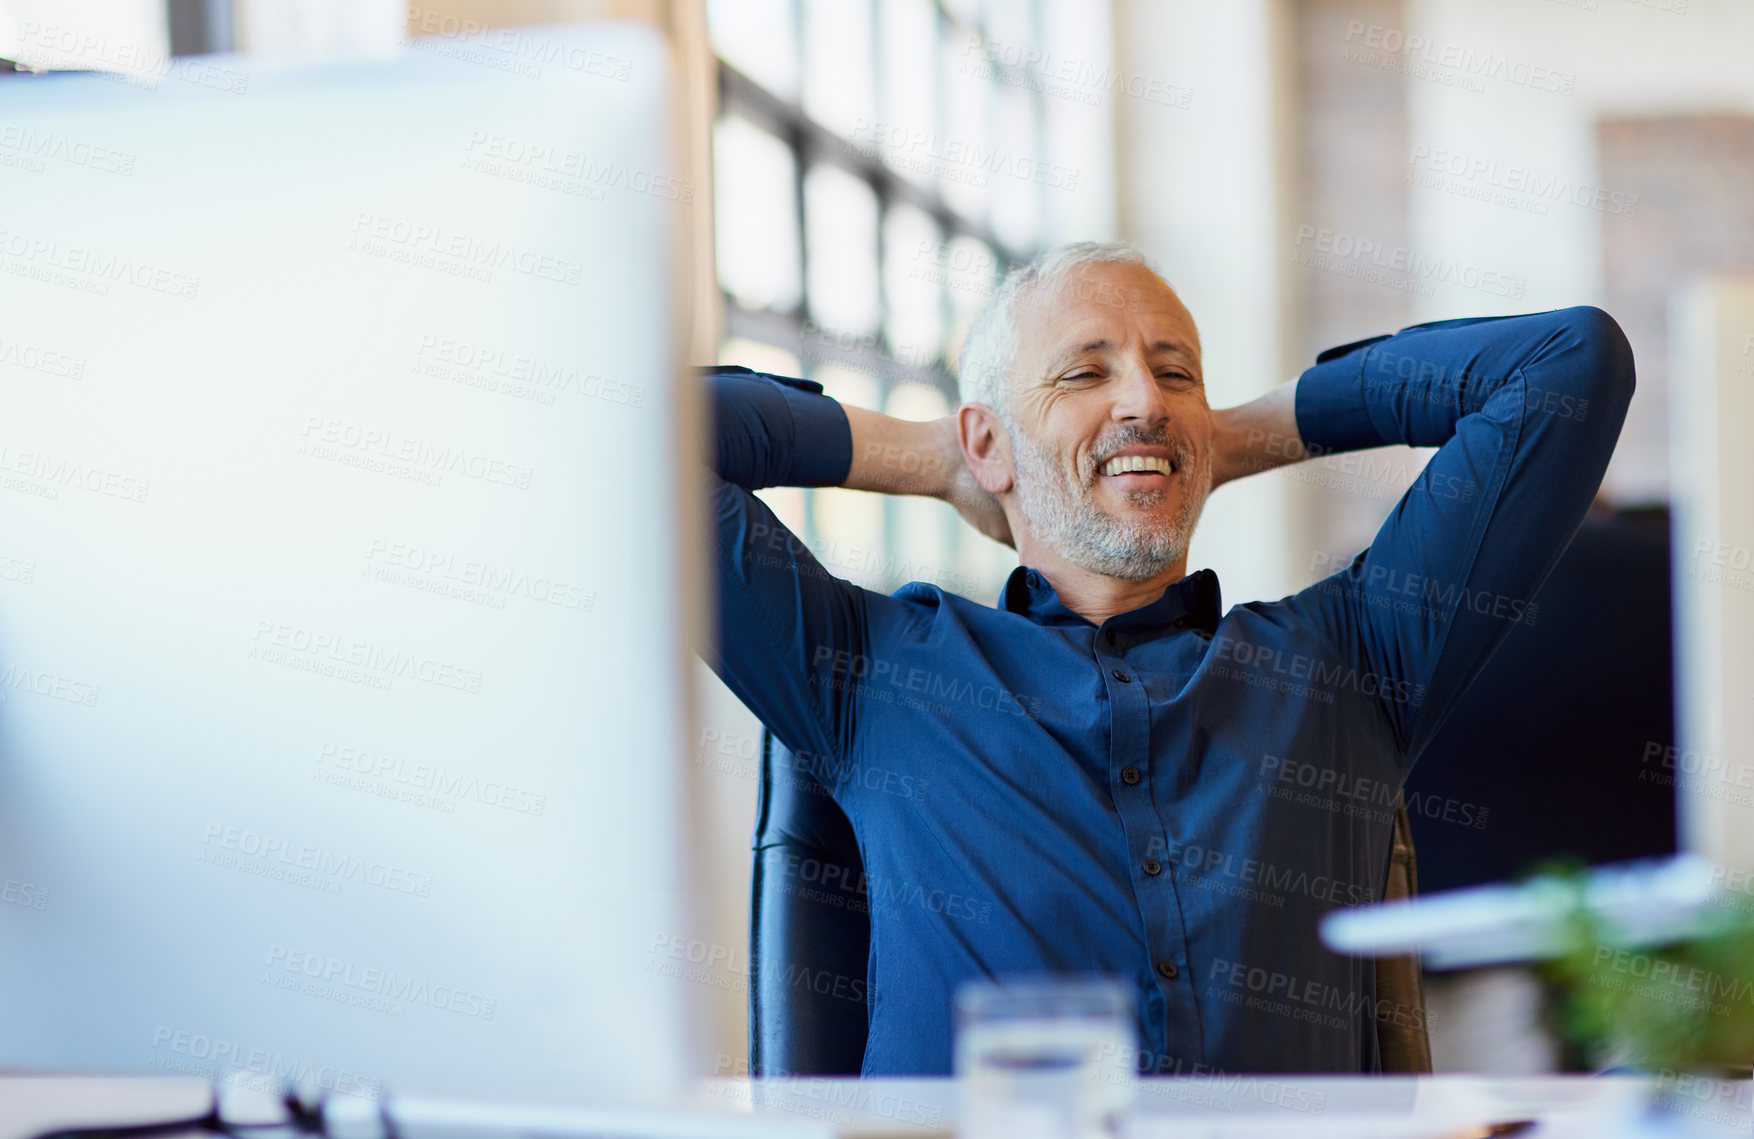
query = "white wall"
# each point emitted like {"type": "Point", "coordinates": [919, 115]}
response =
{"type": "Point", "coordinates": [1629, 57]}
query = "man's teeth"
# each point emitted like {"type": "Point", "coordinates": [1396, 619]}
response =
{"type": "Point", "coordinates": [1127, 464]}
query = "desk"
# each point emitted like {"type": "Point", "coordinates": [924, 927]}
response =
{"type": "Point", "coordinates": [1353, 1107]}
{"type": "Point", "coordinates": [1200, 1107]}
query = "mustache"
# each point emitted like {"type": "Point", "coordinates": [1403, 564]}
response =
{"type": "Point", "coordinates": [1125, 437]}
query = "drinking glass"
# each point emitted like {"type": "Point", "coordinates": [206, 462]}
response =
{"type": "Point", "coordinates": [1044, 1057]}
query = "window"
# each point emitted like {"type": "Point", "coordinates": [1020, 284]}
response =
{"type": "Point", "coordinates": [878, 165]}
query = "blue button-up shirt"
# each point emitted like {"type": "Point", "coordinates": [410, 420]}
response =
{"type": "Point", "coordinates": [1177, 795]}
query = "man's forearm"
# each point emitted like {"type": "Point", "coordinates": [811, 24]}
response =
{"type": "Point", "coordinates": [899, 456]}
{"type": "Point", "coordinates": [1257, 436]}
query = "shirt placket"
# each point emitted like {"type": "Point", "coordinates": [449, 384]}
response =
{"type": "Point", "coordinates": [1154, 889]}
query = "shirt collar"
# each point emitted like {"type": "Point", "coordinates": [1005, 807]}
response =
{"type": "Point", "coordinates": [1191, 603]}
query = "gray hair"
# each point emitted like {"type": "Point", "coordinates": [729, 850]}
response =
{"type": "Point", "coordinates": [990, 351]}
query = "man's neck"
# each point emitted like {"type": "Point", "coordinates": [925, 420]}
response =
{"type": "Point", "coordinates": [1095, 596]}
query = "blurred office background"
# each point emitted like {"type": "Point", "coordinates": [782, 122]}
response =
{"type": "Point", "coordinates": [1305, 173]}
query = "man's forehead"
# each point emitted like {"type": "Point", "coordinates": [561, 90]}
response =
{"type": "Point", "coordinates": [1098, 308]}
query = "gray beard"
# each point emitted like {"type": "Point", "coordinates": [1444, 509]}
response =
{"type": "Point", "coordinates": [1066, 518]}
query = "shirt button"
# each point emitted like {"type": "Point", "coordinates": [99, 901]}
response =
{"type": "Point", "coordinates": [1168, 969]}
{"type": "Point", "coordinates": [1130, 776]}
{"type": "Point", "coordinates": [1122, 677]}
{"type": "Point", "coordinates": [1153, 867]}
{"type": "Point", "coordinates": [1032, 580]}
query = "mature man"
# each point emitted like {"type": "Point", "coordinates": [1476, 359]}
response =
{"type": "Point", "coordinates": [1123, 777]}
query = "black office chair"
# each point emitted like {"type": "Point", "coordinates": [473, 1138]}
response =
{"type": "Point", "coordinates": [810, 936]}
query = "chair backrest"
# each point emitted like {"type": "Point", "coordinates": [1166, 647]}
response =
{"type": "Point", "coordinates": [809, 928]}
{"type": "Point", "coordinates": [810, 936]}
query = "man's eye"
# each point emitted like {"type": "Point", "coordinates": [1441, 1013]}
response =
{"type": "Point", "coordinates": [1082, 376]}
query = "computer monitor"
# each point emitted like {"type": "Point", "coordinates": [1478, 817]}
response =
{"type": "Point", "coordinates": [343, 685]}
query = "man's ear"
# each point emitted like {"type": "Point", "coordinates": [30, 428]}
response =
{"type": "Point", "coordinates": [986, 447]}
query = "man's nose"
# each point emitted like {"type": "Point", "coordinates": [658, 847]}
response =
{"type": "Point", "coordinates": [1139, 398]}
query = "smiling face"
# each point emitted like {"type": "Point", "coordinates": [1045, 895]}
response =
{"type": "Point", "coordinates": [1110, 431]}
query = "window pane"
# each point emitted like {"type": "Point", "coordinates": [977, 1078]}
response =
{"type": "Point", "coordinates": [758, 38]}
{"type": "Point", "coordinates": [972, 272]}
{"type": "Point", "coordinates": [840, 66]}
{"type": "Point", "coordinates": [755, 215]}
{"type": "Point", "coordinates": [910, 96]}
{"type": "Point", "coordinates": [840, 213]}
{"type": "Point", "coordinates": [759, 357]}
{"type": "Point", "coordinates": [965, 11]}
{"type": "Point", "coordinates": [962, 175]}
{"type": "Point", "coordinates": [911, 282]}
{"type": "Point", "coordinates": [1018, 163]}
{"type": "Point", "coordinates": [1007, 25]}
